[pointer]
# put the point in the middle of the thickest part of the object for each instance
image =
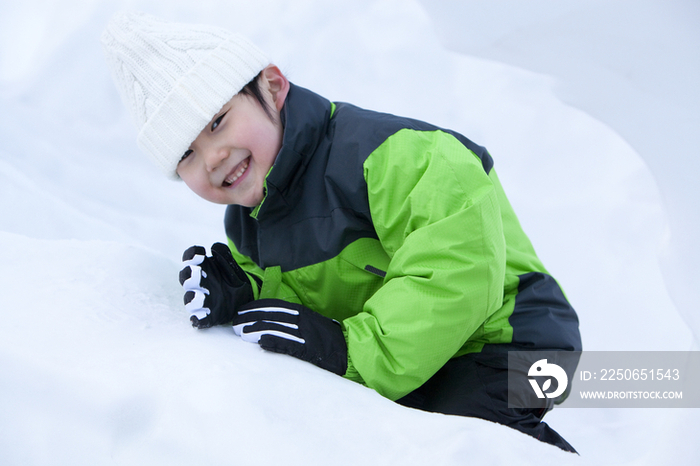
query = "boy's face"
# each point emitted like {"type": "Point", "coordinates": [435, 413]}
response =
{"type": "Point", "coordinates": [229, 160]}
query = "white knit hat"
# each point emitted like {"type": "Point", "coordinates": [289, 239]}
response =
{"type": "Point", "coordinates": [174, 77]}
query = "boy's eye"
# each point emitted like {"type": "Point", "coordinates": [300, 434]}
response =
{"type": "Point", "coordinates": [217, 122]}
{"type": "Point", "coordinates": [186, 154]}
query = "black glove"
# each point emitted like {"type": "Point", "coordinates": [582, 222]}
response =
{"type": "Point", "coordinates": [293, 329]}
{"type": "Point", "coordinates": [214, 286]}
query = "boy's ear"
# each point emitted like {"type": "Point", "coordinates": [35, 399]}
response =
{"type": "Point", "coordinates": [277, 84]}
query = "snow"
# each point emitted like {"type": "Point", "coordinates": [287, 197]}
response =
{"type": "Point", "coordinates": [98, 363]}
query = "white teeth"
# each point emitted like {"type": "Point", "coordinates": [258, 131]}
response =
{"type": "Point", "coordinates": [235, 176]}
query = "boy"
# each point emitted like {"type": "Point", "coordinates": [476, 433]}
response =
{"type": "Point", "coordinates": [377, 247]}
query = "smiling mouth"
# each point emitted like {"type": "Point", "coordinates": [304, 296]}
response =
{"type": "Point", "coordinates": [238, 172]}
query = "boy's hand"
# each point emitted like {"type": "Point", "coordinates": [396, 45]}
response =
{"type": "Point", "coordinates": [214, 286]}
{"type": "Point", "coordinates": [293, 329]}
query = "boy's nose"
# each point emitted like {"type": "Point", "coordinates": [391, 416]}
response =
{"type": "Point", "coordinates": [214, 158]}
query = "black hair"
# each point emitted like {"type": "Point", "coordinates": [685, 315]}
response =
{"type": "Point", "coordinates": [252, 90]}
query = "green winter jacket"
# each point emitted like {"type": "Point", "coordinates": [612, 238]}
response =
{"type": "Point", "coordinates": [402, 232]}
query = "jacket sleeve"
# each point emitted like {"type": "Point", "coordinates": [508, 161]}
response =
{"type": "Point", "coordinates": [267, 283]}
{"type": "Point", "coordinates": [437, 217]}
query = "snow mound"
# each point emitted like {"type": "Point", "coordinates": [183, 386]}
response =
{"type": "Point", "coordinates": [100, 363]}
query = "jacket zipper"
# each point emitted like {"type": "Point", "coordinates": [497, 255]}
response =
{"type": "Point", "coordinates": [375, 271]}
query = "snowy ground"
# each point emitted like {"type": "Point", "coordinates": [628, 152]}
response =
{"type": "Point", "coordinates": [98, 364]}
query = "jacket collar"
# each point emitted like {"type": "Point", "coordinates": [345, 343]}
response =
{"type": "Point", "coordinates": [305, 118]}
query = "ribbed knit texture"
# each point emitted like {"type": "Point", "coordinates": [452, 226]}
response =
{"type": "Point", "coordinates": [174, 78]}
